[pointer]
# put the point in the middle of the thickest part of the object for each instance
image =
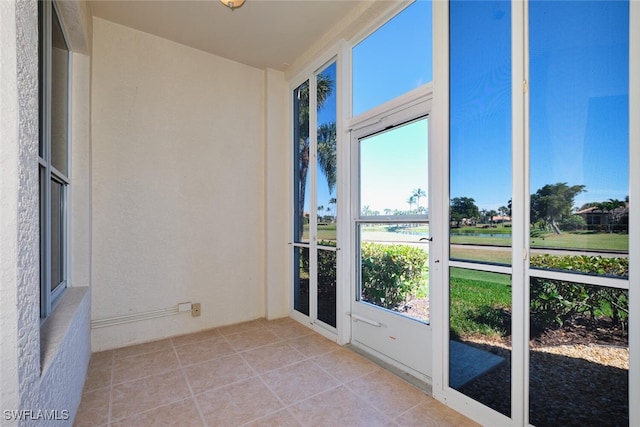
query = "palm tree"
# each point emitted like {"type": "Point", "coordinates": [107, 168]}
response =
{"type": "Point", "coordinates": [324, 88]}
{"type": "Point", "coordinates": [491, 214]}
{"type": "Point", "coordinates": [411, 200]}
{"type": "Point", "coordinates": [418, 193]}
{"type": "Point", "coordinates": [503, 212]}
{"type": "Point", "coordinates": [333, 201]}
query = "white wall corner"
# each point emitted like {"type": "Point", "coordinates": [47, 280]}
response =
{"type": "Point", "coordinates": [276, 194]}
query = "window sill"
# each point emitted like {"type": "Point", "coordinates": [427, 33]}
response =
{"type": "Point", "coordinates": [65, 319]}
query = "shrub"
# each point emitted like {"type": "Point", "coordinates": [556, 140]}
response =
{"type": "Point", "coordinates": [558, 302]}
{"type": "Point", "coordinates": [392, 274]}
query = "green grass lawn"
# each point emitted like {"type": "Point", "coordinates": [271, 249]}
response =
{"type": "Point", "coordinates": [325, 232]}
{"type": "Point", "coordinates": [478, 302]}
{"type": "Point", "coordinates": [588, 241]}
{"type": "Point", "coordinates": [569, 240]}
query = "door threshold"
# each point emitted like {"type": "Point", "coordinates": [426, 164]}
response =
{"type": "Point", "coordinates": [416, 382]}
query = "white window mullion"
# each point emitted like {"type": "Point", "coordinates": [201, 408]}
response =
{"type": "Point", "coordinates": [519, 214]}
{"type": "Point", "coordinates": [634, 212]}
{"type": "Point", "coordinates": [313, 198]}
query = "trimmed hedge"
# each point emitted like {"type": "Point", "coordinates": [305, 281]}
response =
{"type": "Point", "coordinates": [559, 302]}
{"type": "Point", "coordinates": [392, 274]}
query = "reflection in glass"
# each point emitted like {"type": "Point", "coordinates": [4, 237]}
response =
{"type": "Point", "coordinates": [327, 163]}
{"type": "Point", "coordinates": [394, 171]}
{"type": "Point", "coordinates": [579, 128]}
{"type": "Point", "coordinates": [301, 162]}
{"type": "Point", "coordinates": [57, 233]}
{"type": "Point", "coordinates": [327, 286]}
{"type": "Point", "coordinates": [301, 280]}
{"type": "Point", "coordinates": [59, 95]}
{"type": "Point", "coordinates": [393, 60]}
{"type": "Point", "coordinates": [394, 267]}
{"type": "Point", "coordinates": [578, 354]}
{"type": "Point", "coordinates": [480, 131]}
{"type": "Point", "coordinates": [480, 337]}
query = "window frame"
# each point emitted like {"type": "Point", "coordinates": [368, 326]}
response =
{"type": "Point", "coordinates": [334, 55]}
{"type": "Point", "coordinates": [50, 294]}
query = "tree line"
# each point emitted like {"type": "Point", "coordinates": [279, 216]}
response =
{"type": "Point", "coordinates": [551, 208]}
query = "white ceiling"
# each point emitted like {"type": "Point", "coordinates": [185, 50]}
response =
{"type": "Point", "coordinates": [261, 33]}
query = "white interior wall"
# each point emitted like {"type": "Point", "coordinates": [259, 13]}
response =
{"type": "Point", "coordinates": [178, 186]}
{"type": "Point", "coordinates": [277, 171]}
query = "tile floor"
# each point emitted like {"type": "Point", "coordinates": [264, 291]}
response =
{"type": "Point", "coordinates": [259, 373]}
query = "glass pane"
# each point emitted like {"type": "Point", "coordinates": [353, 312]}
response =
{"type": "Point", "coordinates": [579, 355]}
{"type": "Point", "coordinates": [394, 267]}
{"type": "Point", "coordinates": [394, 60]}
{"type": "Point", "coordinates": [301, 280]}
{"type": "Point", "coordinates": [579, 128]}
{"type": "Point", "coordinates": [57, 233]}
{"type": "Point", "coordinates": [327, 286]}
{"type": "Point", "coordinates": [41, 148]}
{"type": "Point", "coordinates": [327, 164]}
{"type": "Point", "coordinates": [59, 98]}
{"type": "Point", "coordinates": [394, 171]}
{"type": "Point", "coordinates": [301, 162]}
{"type": "Point", "coordinates": [480, 337]}
{"type": "Point", "coordinates": [480, 131]}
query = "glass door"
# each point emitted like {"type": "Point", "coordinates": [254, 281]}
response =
{"type": "Point", "coordinates": [390, 313]}
{"type": "Point", "coordinates": [315, 198]}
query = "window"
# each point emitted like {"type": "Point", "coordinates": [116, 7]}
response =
{"type": "Point", "coordinates": [53, 59]}
{"type": "Point", "coordinates": [315, 196]}
{"type": "Point", "coordinates": [393, 60]}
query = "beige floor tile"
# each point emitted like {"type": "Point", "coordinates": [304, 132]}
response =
{"type": "Point", "coordinates": [144, 365]}
{"type": "Point", "coordinates": [251, 339]}
{"type": "Point", "coordinates": [322, 383]}
{"type": "Point", "coordinates": [138, 396]}
{"type": "Point", "coordinates": [237, 403]}
{"type": "Point", "coordinates": [218, 372]}
{"type": "Point", "coordinates": [94, 408]}
{"type": "Point", "coordinates": [98, 376]}
{"type": "Point", "coordinates": [101, 357]}
{"type": "Point", "coordinates": [389, 394]}
{"type": "Point", "coordinates": [279, 419]}
{"type": "Point", "coordinates": [273, 356]}
{"type": "Point", "coordinates": [345, 365]}
{"type": "Point", "coordinates": [288, 328]}
{"type": "Point", "coordinates": [298, 382]}
{"type": "Point", "coordinates": [202, 351]}
{"type": "Point", "coordinates": [142, 348]}
{"type": "Point", "coordinates": [195, 337]}
{"type": "Point", "coordinates": [313, 345]}
{"type": "Point", "coordinates": [337, 407]}
{"type": "Point", "coordinates": [242, 327]}
{"type": "Point", "coordinates": [432, 413]}
{"type": "Point", "coordinates": [183, 414]}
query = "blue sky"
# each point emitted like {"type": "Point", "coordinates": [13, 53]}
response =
{"type": "Point", "coordinates": [579, 97]}
{"type": "Point", "coordinates": [578, 87]}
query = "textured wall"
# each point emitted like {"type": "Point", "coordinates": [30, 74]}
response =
{"type": "Point", "coordinates": [19, 321]}
{"type": "Point", "coordinates": [23, 385]}
{"type": "Point", "coordinates": [178, 185]}
{"type": "Point", "coordinates": [63, 375]}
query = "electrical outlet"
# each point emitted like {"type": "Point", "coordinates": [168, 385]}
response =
{"type": "Point", "coordinates": [195, 309]}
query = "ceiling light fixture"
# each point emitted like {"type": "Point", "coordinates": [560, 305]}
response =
{"type": "Point", "coordinates": [232, 4]}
